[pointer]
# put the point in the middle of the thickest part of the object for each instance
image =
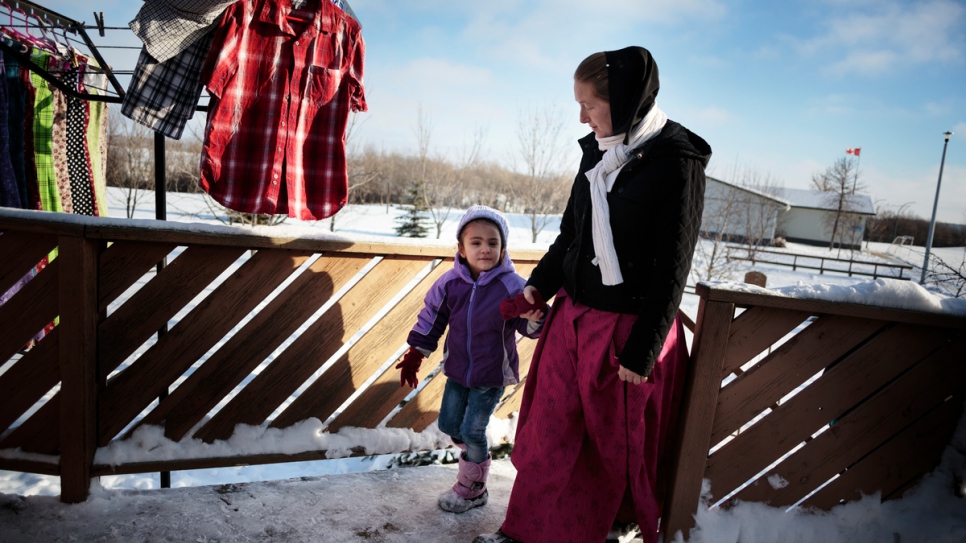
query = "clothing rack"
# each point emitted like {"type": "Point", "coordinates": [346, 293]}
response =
{"type": "Point", "coordinates": [44, 16]}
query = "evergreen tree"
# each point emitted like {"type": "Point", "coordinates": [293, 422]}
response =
{"type": "Point", "coordinates": [411, 224]}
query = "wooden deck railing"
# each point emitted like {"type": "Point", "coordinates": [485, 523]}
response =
{"type": "Point", "coordinates": [257, 293]}
{"type": "Point", "coordinates": [877, 395]}
{"type": "Point", "coordinates": [279, 330]}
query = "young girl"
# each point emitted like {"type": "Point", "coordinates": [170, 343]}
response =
{"type": "Point", "coordinates": [480, 355]}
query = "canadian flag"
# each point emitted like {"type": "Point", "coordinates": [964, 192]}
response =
{"type": "Point", "coordinates": [851, 151]}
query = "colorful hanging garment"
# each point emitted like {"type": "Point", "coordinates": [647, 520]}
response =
{"type": "Point", "coordinates": [51, 198]}
{"type": "Point", "coordinates": [29, 159]}
{"type": "Point", "coordinates": [58, 138]}
{"type": "Point", "coordinates": [14, 125]}
{"type": "Point", "coordinates": [78, 162]}
{"type": "Point", "coordinates": [282, 82]}
{"type": "Point", "coordinates": [9, 192]}
{"type": "Point", "coordinates": [95, 82]}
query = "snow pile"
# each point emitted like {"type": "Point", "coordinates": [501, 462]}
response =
{"type": "Point", "coordinates": [882, 292]}
{"type": "Point", "coordinates": [148, 443]}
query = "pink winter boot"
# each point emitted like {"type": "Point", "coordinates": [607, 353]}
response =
{"type": "Point", "coordinates": [470, 488]}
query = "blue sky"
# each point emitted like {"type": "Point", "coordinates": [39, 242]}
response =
{"type": "Point", "coordinates": [777, 88]}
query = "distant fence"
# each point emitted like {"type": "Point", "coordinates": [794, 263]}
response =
{"type": "Point", "coordinates": [821, 263]}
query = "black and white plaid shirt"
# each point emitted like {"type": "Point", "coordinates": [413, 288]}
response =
{"type": "Point", "coordinates": [163, 95]}
{"type": "Point", "coordinates": [168, 27]}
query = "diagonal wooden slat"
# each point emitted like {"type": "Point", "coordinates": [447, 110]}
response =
{"type": "Point", "coordinates": [856, 377]}
{"type": "Point", "coordinates": [354, 367]}
{"type": "Point", "coordinates": [270, 388]}
{"type": "Point", "coordinates": [384, 394]}
{"type": "Point", "coordinates": [26, 382]}
{"type": "Point", "coordinates": [755, 330]}
{"type": "Point", "coordinates": [135, 388]}
{"type": "Point", "coordinates": [40, 433]}
{"type": "Point", "coordinates": [123, 263]}
{"type": "Point", "coordinates": [905, 458]}
{"type": "Point", "coordinates": [150, 308]}
{"type": "Point", "coordinates": [19, 253]}
{"type": "Point", "coordinates": [29, 310]}
{"type": "Point", "coordinates": [422, 409]}
{"type": "Point", "coordinates": [905, 400]}
{"type": "Point", "coordinates": [798, 359]}
{"type": "Point", "coordinates": [231, 364]}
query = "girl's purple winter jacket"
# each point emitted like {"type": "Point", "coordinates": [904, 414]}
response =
{"type": "Point", "coordinates": [480, 348]}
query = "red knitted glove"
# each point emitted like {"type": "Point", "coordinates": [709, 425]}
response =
{"type": "Point", "coordinates": [409, 366]}
{"type": "Point", "coordinates": [518, 305]}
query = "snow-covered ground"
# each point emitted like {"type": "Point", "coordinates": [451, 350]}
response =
{"type": "Point", "coordinates": [355, 499]}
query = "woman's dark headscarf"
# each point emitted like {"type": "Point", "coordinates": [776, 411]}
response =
{"type": "Point", "coordinates": [633, 84]}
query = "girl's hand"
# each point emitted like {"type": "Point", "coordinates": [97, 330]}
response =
{"type": "Point", "coordinates": [534, 315]}
{"type": "Point", "coordinates": [629, 376]}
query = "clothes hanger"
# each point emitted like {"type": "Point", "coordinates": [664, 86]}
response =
{"type": "Point", "coordinates": [31, 39]}
{"type": "Point", "coordinates": [291, 18]}
{"type": "Point", "coordinates": [12, 31]}
{"type": "Point", "coordinates": [43, 42]}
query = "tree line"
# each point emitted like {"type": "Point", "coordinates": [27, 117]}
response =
{"type": "Point", "coordinates": [534, 185]}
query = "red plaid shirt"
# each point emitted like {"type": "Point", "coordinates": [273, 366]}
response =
{"type": "Point", "coordinates": [280, 97]}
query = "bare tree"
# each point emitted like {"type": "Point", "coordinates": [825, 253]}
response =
{"type": "Point", "coordinates": [364, 166]}
{"type": "Point", "coordinates": [760, 213]}
{"type": "Point", "coordinates": [840, 183]}
{"type": "Point", "coordinates": [130, 162]}
{"type": "Point", "coordinates": [950, 278]}
{"type": "Point", "coordinates": [542, 192]}
{"type": "Point", "coordinates": [720, 218]}
{"type": "Point", "coordinates": [435, 187]}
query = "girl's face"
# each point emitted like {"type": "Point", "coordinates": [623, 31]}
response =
{"type": "Point", "coordinates": [594, 111]}
{"type": "Point", "coordinates": [481, 247]}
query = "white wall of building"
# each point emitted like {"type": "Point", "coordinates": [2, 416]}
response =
{"type": "Point", "coordinates": [738, 212]}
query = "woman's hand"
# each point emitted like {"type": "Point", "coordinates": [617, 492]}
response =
{"type": "Point", "coordinates": [528, 292]}
{"type": "Point", "coordinates": [629, 376]}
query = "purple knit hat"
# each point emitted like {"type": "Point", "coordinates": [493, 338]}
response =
{"type": "Point", "coordinates": [488, 213]}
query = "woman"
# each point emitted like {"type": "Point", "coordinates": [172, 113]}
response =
{"type": "Point", "coordinates": [605, 383]}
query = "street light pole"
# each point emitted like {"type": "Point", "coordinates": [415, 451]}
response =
{"type": "Point", "coordinates": [935, 204]}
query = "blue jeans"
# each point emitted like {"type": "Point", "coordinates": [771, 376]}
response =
{"type": "Point", "coordinates": [464, 415]}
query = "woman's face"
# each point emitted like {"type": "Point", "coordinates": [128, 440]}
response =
{"type": "Point", "coordinates": [594, 111]}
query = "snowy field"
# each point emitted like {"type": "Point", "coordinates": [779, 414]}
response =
{"type": "Point", "coordinates": [355, 499]}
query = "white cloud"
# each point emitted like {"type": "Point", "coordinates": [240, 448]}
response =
{"type": "Point", "coordinates": [885, 37]}
{"type": "Point", "coordinates": [710, 115]}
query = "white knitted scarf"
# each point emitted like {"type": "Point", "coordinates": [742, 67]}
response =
{"type": "Point", "coordinates": [602, 177]}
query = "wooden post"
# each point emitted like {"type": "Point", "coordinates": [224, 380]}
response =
{"type": "Point", "coordinates": [77, 288]}
{"type": "Point", "coordinates": [701, 387]}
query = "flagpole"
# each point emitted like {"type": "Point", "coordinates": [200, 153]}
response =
{"type": "Point", "coordinates": [855, 181]}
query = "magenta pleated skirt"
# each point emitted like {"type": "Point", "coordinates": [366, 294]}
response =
{"type": "Point", "coordinates": [589, 447]}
